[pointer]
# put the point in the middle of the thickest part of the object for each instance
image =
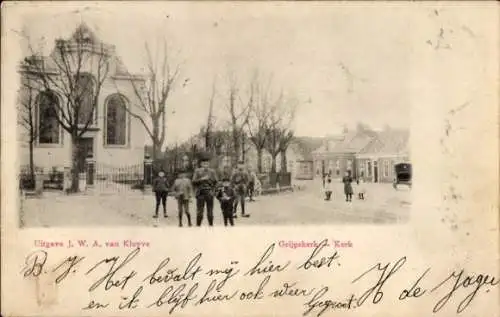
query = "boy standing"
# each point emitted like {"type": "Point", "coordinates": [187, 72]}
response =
{"type": "Point", "coordinates": [239, 180]}
{"type": "Point", "coordinates": [160, 187]}
{"type": "Point", "coordinates": [226, 196]}
{"type": "Point", "coordinates": [183, 192]}
{"type": "Point", "coordinates": [204, 181]}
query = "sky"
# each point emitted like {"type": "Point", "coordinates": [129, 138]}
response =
{"type": "Point", "coordinates": [343, 63]}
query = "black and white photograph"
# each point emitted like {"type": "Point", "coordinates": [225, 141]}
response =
{"type": "Point", "coordinates": [269, 158]}
{"type": "Point", "coordinates": [178, 120]}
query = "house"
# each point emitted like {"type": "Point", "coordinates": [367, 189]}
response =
{"type": "Point", "coordinates": [304, 164]}
{"type": "Point", "coordinates": [365, 153]}
{"type": "Point", "coordinates": [376, 161]}
{"type": "Point", "coordinates": [110, 135]}
{"type": "Point", "coordinates": [338, 153]}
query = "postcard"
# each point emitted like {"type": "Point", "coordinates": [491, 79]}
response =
{"type": "Point", "coordinates": [248, 158]}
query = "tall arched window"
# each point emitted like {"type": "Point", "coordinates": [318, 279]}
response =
{"type": "Point", "coordinates": [48, 126]}
{"type": "Point", "coordinates": [84, 98]}
{"type": "Point", "coordinates": [116, 121]}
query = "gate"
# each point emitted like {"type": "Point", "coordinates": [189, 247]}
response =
{"type": "Point", "coordinates": [123, 179]}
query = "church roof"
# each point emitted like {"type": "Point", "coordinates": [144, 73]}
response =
{"type": "Point", "coordinates": [85, 34]}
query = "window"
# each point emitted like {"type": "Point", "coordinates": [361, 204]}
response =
{"type": "Point", "coordinates": [48, 126]}
{"type": "Point", "coordinates": [386, 168]}
{"type": "Point", "coordinates": [368, 168]}
{"type": "Point", "coordinates": [116, 121]}
{"type": "Point", "coordinates": [84, 98]}
{"type": "Point", "coordinates": [349, 165]}
{"type": "Point", "coordinates": [337, 168]}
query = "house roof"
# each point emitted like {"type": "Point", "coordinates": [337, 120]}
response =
{"type": "Point", "coordinates": [354, 141]}
{"type": "Point", "coordinates": [307, 145]}
{"type": "Point", "coordinates": [390, 141]}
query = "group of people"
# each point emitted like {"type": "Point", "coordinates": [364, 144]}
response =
{"type": "Point", "coordinates": [231, 190]}
{"type": "Point", "coordinates": [349, 184]}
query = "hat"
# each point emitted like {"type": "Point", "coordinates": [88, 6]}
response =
{"type": "Point", "coordinates": [204, 157]}
{"type": "Point", "coordinates": [161, 173]}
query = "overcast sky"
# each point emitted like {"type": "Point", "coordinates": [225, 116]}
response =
{"type": "Point", "coordinates": [344, 64]}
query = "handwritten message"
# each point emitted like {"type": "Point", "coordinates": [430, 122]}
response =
{"type": "Point", "coordinates": [177, 288]}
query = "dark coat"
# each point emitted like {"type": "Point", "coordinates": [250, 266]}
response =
{"type": "Point", "coordinates": [160, 184]}
{"type": "Point", "coordinates": [347, 180]}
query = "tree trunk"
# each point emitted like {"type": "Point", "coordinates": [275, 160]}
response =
{"type": "Point", "coordinates": [32, 161]}
{"type": "Point", "coordinates": [75, 152]}
{"type": "Point", "coordinates": [273, 163]}
{"type": "Point", "coordinates": [259, 160]}
{"type": "Point", "coordinates": [155, 138]}
{"type": "Point", "coordinates": [156, 150]}
{"type": "Point", "coordinates": [237, 149]}
{"type": "Point", "coordinates": [283, 162]}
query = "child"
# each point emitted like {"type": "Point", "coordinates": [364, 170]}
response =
{"type": "Point", "coordinates": [361, 189]}
{"type": "Point", "coordinates": [347, 180]}
{"type": "Point", "coordinates": [226, 196]}
{"type": "Point", "coordinates": [160, 187]}
{"type": "Point", "coordinates": [183, 191]}
{"type": "Point", "coordinates": [328, 189]}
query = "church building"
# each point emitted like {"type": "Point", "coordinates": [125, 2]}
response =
{"type": "Point", "coordinates": [83, 71]}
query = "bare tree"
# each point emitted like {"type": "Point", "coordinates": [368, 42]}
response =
{"type": "Point", "coordinates": [238, 116]}
{"type": "Point", "coordinates": [209, 146]}
{"type": "Point", "coordinates": [279, 133]}
{"type": "Point", "coordinates": [286, 131]}
{"type": "Point", "coordinates": [153, 94]}
{"type": "Point", "coordinates": [27, 103]}
{"type": "Point", "coordinates": [76, 71]}
{"type": "Point", "coordinates": [257, 125]}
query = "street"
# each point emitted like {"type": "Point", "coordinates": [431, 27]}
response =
{"type": "Point", "coordinates": [383, 205]}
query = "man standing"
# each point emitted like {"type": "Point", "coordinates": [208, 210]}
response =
{"type": "Point", "coordinates": [204, 181]}
{"type": "Point", "coordinates": [240, 180]}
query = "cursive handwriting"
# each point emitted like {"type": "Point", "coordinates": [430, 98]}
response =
{"type": "Point", "coordinates": [261, 268]}
{"type": "Point", "coordinates": [70, 264]}
{"type": "Point", "coordinates": [384, 276]}
{"type": "Point", "coordinates": [176, 297]}
{"type": "Point", "coordinates": [34, 263]}
{"type": "Point", "coordinates": [213, 294]}
{"type": "Point", "coordinates": [316, 302]}
{"type": "Point", "coordinates": [189, 273]}
{"type": "Point", "coordinates": [94, 305]}
{"type": "Point", "coordinates": [108, 277]}
{"type": "Point", "coordinates": [176, 288]}
{"type": "Point", "coordinates": [291, 290]}
{"type": "Point", "coordinates": [461, 280]}
{"type": "Point", "coordinates": [313, 262]}
{"type": "Point", "coordinates": [131, 303]}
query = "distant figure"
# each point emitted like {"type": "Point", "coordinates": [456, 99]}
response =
{"type": "Point", "coordinates": [183, 192]}
{"type": "Point", "coordinates": [204, 181]}
{"type": "Point", "coordinates": [239, 180]}
{"type": "Point", "coordinates": [328, 189]}
{"type": "Point", "coordinates": [226, 196]}
{"type": "Point", "coordinates": [361, 189]}
{"type": "Point", "coordinates": [251, 185]}
{"type": "Point", "coordinates": [347, 180]}
{"type": "Point", "coordinates": [160, 187]}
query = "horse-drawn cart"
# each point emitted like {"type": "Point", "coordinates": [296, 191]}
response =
{"type": "Point", "coordinates": [403, 175]}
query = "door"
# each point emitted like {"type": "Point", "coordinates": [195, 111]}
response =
{"type": "Point", "coordinates": [375, 172]}
{"type": "Point", "coordinates": [86, 148]}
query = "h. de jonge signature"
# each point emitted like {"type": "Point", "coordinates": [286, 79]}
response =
{"type": "Point", "coordinates": [194, 284]}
